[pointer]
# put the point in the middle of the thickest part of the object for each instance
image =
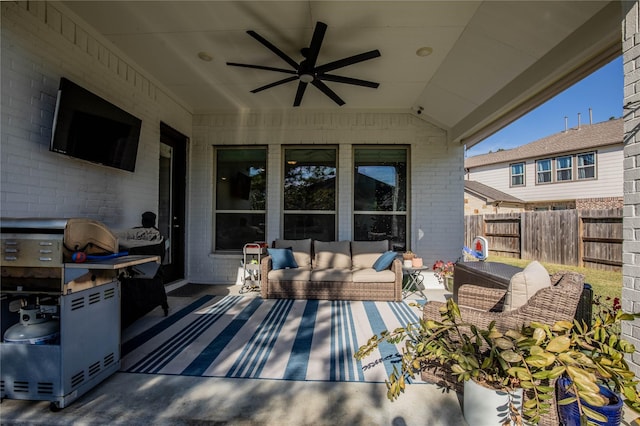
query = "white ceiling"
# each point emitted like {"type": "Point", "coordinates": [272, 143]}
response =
{"type": "Point", "coordinates": [489, 60]}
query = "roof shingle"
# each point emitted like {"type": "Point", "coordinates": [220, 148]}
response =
{"type": "Point", "coordinates": [574, 139]}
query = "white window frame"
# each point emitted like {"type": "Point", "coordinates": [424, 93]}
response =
{"type": "Point", "coordinates": [559, 169]}
{"type": "Point", "coordinates": [550, 171]}
{"type": "Point", "coordinates": [593, 166]}
{"type": "Point", "coordinates": [521, 175]}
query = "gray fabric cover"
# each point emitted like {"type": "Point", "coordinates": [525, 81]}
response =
{"type": "Point", "coordinates": [332, 254]}
{"type": "Point", "coordinates": [301, 251]}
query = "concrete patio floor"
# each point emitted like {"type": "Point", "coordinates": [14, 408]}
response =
{"type": "Point", "coordinates": [143, 399]}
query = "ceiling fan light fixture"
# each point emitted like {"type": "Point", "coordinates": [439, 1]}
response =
{"type": "Point", "coordinates": [424, 51]}
{"type": "Point", "coordinates": [306, 78]}
{"type": "Point", "coordinates": [205, 56]}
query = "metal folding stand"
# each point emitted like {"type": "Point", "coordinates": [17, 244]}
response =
{"type": "Point", "coordinates": [414, 281]}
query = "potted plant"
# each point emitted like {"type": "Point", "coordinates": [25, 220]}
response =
{"type": "Point", "coordinates": [444, 273]}
{"type": "Point", "coordinates": [531, 358]}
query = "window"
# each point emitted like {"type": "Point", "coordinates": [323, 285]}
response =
{"type": "Point", "coordinates": [310, 193]}
{"type": "Point", "coordinates": [380, 195]}
{"type": "Point", "coordinates": [587, 166]}
{"type": "Point", "coordinates": [543, 171]}
{"type": "Point", "coordinates": [517, 174]}
{"type": "Point", "coordinates": [240, 196]}
{"type": "Point", "coordinates": [564, 168]}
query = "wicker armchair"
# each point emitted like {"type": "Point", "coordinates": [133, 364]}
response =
{"type": "Point", "coordinates": [480, 306]}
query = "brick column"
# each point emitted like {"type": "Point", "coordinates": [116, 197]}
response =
{"type": "Point", "coordinates": [631, 170]}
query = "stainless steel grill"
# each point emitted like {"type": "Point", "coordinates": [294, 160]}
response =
{"type": "Point", "coordinates": [78, 304]}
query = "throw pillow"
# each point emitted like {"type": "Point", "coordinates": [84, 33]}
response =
{"type": "Point", "coordinates": [525, 284]}
{"type": "Point", "coordinates": [282, 258]}
{"type": "Point", "coordinates": [384, 261]}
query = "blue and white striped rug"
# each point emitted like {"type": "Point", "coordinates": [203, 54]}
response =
{"type": "Point", "coordinates": [249, 337]}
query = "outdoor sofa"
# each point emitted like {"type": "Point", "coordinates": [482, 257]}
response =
{"type": "Point", "coordinates": [334, 270]}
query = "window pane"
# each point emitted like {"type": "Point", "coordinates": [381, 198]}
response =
{"type": "Point", "coordinates": [544, 165]}
{"type": "Point", "coordinates": [587, 172]}
{"type": "Point", "coordinates": [563, 175]}
{"type": "Point", "coordinates": [563, 162]}
{"type": "Point", "coordinates": [380, 180]}
{"type": "Point", "coordinates": [382, 227]}
{"type": "Point", "coordinates": [544, 177]}
{"type": "Point", "coordinates": [315, 226]}
{"type": "Point", "coordinates": [517, 169]}
{"type": "Point", "coordinates": [310, 179]}
{"type": "Point", "coordinates": [241, 179]}
{"type": "Point", "coordinates": [234, 230]}
{"type": "Point", "coordinates": [240, 194]}
{"type": "Point", "coordinates": [517, 180]}
{"type": "Point", "coordinates": [586, 159]}
{"type": "Point", "coordinates": [517, 174]}
{"type": "Point", "coordinates": [586, 166]}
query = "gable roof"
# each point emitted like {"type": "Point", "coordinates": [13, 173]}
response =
{"type": "Point", "coordinates": [585, 137]}
{"type": "Point", "coordinates": [489, 193]}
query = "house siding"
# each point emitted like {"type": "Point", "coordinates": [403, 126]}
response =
{"type": "Point", "coordinates": [607, 184]}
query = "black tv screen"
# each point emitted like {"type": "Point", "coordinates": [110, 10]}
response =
{"type": "Point", "coordinates": [88, 127]}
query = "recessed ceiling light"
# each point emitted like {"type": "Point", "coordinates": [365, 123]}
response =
{"type": "Point", "coordinates": [205, 56]}
{"type": "Point", "coordinates": [424, 51]}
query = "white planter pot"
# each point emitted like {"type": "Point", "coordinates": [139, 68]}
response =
{"type": "Point", "coordinates": [487, 407]}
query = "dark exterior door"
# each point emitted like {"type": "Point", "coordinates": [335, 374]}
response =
{"type": "Point", "coordinates": [171, 208]}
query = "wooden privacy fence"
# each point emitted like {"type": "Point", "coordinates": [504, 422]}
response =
{"type": "Point", "coordinates": [590, 238]}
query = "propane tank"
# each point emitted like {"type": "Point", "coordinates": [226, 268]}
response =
{"type": "Point", "coordinates": [35, 328]}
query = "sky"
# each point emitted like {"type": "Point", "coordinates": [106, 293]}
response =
{"type": "Point", "coordinates": [601, 91]}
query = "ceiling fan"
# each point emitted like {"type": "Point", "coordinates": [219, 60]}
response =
{"type": "Point", "coordinates": [307, 72]}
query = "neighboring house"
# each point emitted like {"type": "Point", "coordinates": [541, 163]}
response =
{"type": "Point", "coordinates": [578, 168]}
{"type": "Point", "coordinates": [482, 199]}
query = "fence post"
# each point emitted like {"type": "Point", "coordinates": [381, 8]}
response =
{"type": "Point", "coordinates": [580, 259]}
{"type": "Point", "coordinates": [520, 231]}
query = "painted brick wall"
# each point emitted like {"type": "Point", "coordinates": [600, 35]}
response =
{"type": "Point", "coordinates": [42, 42]}
{"type": "Point", "coordinates": [436, 213]}
{"type": "Point", "coordinates": [631, 165]}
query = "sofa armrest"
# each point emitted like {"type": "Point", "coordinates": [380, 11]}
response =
{"type": "Point", "coordinates": [481, 298]}
{"type": "Point", "coordinates": [265, 266]}
{"type": "Point", "coordinates": [396, 267]}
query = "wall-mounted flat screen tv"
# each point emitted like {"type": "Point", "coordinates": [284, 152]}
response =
{"type": "Point", "coordinates": [88, 127]}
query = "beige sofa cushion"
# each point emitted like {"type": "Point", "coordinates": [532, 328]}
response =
{"type": "Point", "coordinates": [370, 275]}
{"type": "Point", "coordinates": [365, 253]}
{"type": "Point", "coordinates": [525, 284]}
{"type": "Point", "coordinates": [332, 274]}
{"type": "Point", "coordinates": [296, 274]}
{"type": "Point", "coordinates": [332, 254]}
{"type": "Point", "coordinates": [301, 251]}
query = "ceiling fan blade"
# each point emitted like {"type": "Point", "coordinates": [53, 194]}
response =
{"type": "Point", "coordinates": [277, 83]}
{"type": "Point", "coordinates": [302, 86]}
{"type": "Point", "coordinates": [274, 49]}
{"type": "Point", "coordinates": [260, 67]}
{"type": "Point", "coordinates": [316, 42]}
{"type": "Point", "coordinates": [327, 91]}
{"type": "Point", "coordinates": [348, 61]}
{"type": "Point", "coordinates": [348, 80]}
